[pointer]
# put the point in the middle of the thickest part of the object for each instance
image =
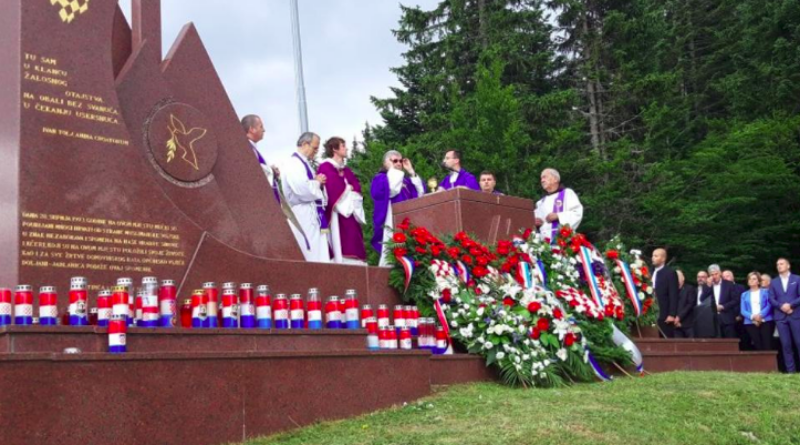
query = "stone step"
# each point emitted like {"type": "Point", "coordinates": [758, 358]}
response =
{"type": "Point", "coordinates": [91, 339]}
{"type": "Point", "coordinates": [687, 344]}
{"type": "Point", "coordinates": [197, 398]}
{"type": "Point", "coordinates": [748, 361]}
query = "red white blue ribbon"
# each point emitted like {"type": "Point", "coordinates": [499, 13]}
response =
{"type": "Point", "coordinates": [586, 260]}
{"type": "Point", "coordinates": [630, 289]}
{"type": "Point", "coordinates": [461, 271]}
{"type": "Point", "coordinates": [525, 275]}
{"type": "Point", "coordinates": [408, 268]}
{"type": "Point", "coordinates": [437, 306]}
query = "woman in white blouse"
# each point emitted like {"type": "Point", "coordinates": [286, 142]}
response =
{"type": "Point", "coordinates": [757, 313]}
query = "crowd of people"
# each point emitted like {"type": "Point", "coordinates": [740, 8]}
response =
{"type": "Point", "coordinates": [324, 204]}
{"type": "Point", "coordinates": [324, 207]}
{"type": "Point", "coordinates": [718, 306]}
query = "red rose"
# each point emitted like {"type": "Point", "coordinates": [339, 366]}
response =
{"type": "Point", "coordinates": [453, 252]}
{"type": "Point", "coordinates": [475, 251]}
{"type": "Point", "coordinates": [575, 249]}
{"type": "Point", "coordinates": [527, 233]}
{"type": "Point", "coordinates": [471, 283]}
{"type": "Point", "coordinates": [404, 225]}
{"type": "Point", "coordinates": [482, 261]}
{"type": "Point", "coordinates": [421, 241]}
{"type": "Point", "coordinates": [534, 306]}
{"type": "Point", "coordinates": [460, 236]}
{"type": "Point", "coordinates": [536, 333]}
{"type": "Point", "coordinates": [557, 314]}
{"type": "Point", "coordinates": [478, 291]}
{"type": "Point", "coordinates": [562, 243]}
{"type": "Point", "coordinates": [569, 339]}
{"type": "Point", "coordinates": [505, 268]}
{"type": "Point", "coordinates": [480, 272]}
{"type": "Point", "coordinates": [543, 324]}
{"type": "Point", "coordinates": [645, 272]}
{"type": "Point", "coordinates": [421, 250]}
{"type": "Point", "coordinates": [436, 250]}
{"type": "Point", "coordinates": [508, 301]}
{"type": "Point", "coordinates": [565, 232]}
{"type": "Point", "coordinates": [399, 237]}
{"type": "Point", "coordinates": [574, 303]}
{"type": "Point", "coordinates": [620, 313]}
{"type": "Point", "coordinates": [612, 255]}
{"type": "Point", "coordinates": [466, 259]}
{"type": "Point", "coordinates": [400, 252]}
{"type": "Point", "coordinates": [446, 295]}
{"type": "Point", "coordinates": [609, 311]}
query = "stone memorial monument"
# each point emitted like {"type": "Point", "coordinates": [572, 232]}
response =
{"type": "Point", "coordinates": [117, 162]}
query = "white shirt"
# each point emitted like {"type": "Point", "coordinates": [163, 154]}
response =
{"type": "Point", "coordinates": [699, 293]}
{"type": "Point", "coordinates": [266, 168]}
{"type": "Point", "coordinates": [717, 288]}
{"type": "Point", "coordinates": [785, 282]}
{"type": "Point", "coordinates": [655, 274]}
{"type": "Point", "coordinates": [571, 214]}
{"type": "Point", "coordinates": [453, 178]}
{"type": "Point", "coordinates": [755, 303]}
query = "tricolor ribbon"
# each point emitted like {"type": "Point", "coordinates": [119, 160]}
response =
{"type": "Point", "coordinates": [586, 259]}
{"type": "Point", "coordinates": [630, 289]}
{"type": "Point", "coordinates": [461, 271]}
{"type": "Point", "coordinates": [437, 306]}
{"type": "Point", "coordinates": [525, 275]}
{"type": "Point", "coordinates": [540, 272]}
{"type": "Point", "coordinates": [408, 268]}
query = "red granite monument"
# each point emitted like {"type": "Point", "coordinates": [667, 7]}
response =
{"type": "Point", "coordinates": [118, 163]}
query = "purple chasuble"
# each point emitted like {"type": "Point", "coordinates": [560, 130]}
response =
{"type": "Point", "coordinates": [350, 234]}
{"type": "Point", "coordinates": [464, 179]}
{"type": "Point", "coordinates": [379, 190]}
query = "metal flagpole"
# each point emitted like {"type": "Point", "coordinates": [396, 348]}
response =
{"type": "Point", "coordinates": [298, 67]}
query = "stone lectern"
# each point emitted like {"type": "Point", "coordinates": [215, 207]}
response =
{"type": "Point", "coordinates": [488, 217]}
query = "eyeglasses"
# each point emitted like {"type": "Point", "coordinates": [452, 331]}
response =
{"type": "Point", "coordinates": [397, 161]}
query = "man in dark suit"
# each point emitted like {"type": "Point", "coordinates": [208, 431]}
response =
{"type": "Point", "coordinates": [784, 296]}
{"type": "Point", "coordinates": [725, 300]}
{"type": "Point", "coordinates": [745, 343]}
{"type": "Point", "coordinates": [704, 315]}
{"type": "Point", "coordinates": [665, 282]}
{"type": "Point", "coordinates": [687, 300]}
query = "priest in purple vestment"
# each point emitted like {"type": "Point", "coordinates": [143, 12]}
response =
{"type": "Point", "coordinates": [345, 206]}
{"type": "Point", "coordinates": [390, 186]}
{"type": "Point", "coordinates": [458, 177]}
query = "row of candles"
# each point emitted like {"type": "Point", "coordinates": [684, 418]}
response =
{"type": "Point", "coordinates": [155, 306]}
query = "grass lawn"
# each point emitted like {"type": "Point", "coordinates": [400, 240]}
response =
{"type": "Point", "coordinates": [673, 408]}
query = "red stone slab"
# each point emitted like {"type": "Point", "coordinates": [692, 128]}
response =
{"type": "Point", "coordinates": [195, 398]}
{"type": "Point", "coordinates": [711, 361]}
{"type": "Point", "coordinates": [687, 345]}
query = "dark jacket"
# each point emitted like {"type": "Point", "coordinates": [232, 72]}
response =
{"type": "Point", "coordinates": [667, 293]}
{"type": "Point", "coordinates": [728, 299]}
{"type": "Point", "coordinates": [687, 300]}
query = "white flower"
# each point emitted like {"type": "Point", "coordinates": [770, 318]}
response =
{"type": "Point", "coordinates": [454, 323]}
{"type": "Point", "coordinates": [480, 311]}
{"type": "Point", "coordinates": [500, 355]}
{"type": "Point", "coordinates": [488, 345]}
{"type": "Point", "coordinates": [562, 354]}
{"type": "Point", "coordinates": [517, 359]}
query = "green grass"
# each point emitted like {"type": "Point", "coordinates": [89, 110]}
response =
{"type": "Point", "coordinates": [674, 408]}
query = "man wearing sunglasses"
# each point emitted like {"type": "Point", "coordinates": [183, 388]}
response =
{"type": "Point", "coordinates": [396, 182]}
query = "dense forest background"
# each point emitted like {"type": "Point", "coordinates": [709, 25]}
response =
{"type": "Point", "coordinates": [676, 121]}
